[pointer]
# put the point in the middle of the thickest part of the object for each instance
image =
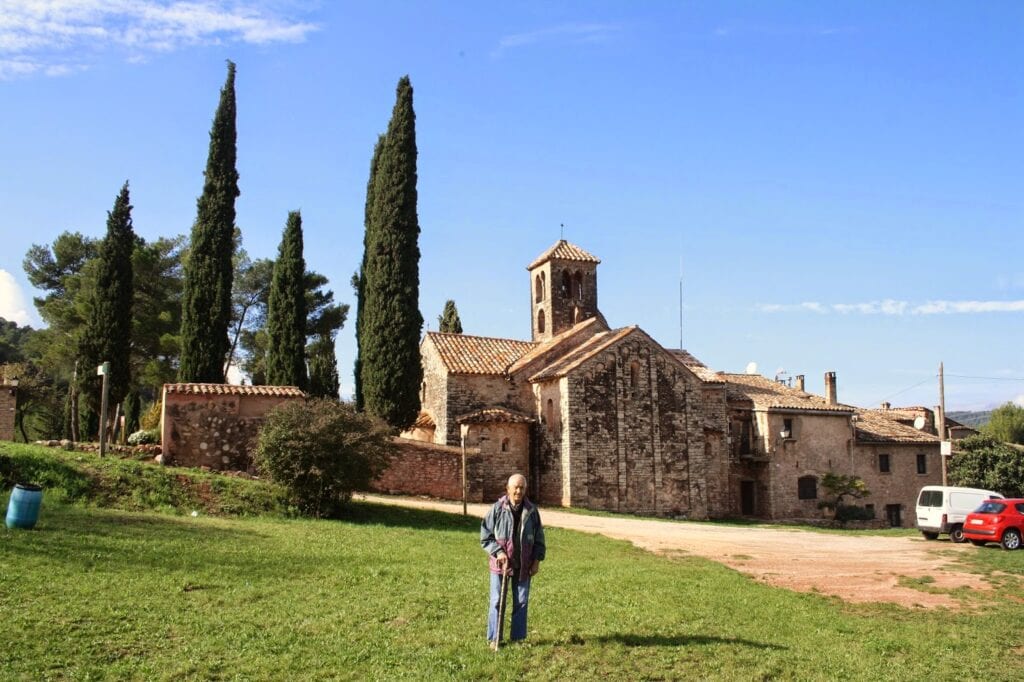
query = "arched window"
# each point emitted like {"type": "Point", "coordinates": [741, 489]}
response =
{"type": "Point", "coordinates": [538, 295]}
{"type": "Point", "coordinates": [577, 315]}
{"type": "Point", "coordinates": [807, 488]}
{"type": "Point", "coordinates": [505, 444]}
{"type": "Point", "coordinates": [540, 321]}
{"type": "Point", "coordinates": [577, 285]}
{"type": "Point", "coordinates": [549, 415]}
{"type": "Point", "coordinates": [634, 376]}
{"type": "Point", "coordinates": [566, 284]}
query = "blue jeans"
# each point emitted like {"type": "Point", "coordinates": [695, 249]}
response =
{"type": "Point", "coordinates": [520, 597]}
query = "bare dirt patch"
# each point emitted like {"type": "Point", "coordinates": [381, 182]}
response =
{"type": "Point", "coordinates": [854, 568]}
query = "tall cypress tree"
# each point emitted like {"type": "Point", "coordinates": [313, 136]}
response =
{"type": "Point", "coordinates": [286, 310]}
{"type": "Point", "coordinates": [448, 321]}
{"type": "Point", "coordinates": [108, 331]}
{"type": "Point", "coordinates": [390, 322]}
{"type": "Point", "coordinates": [359, 279]}
{"type": "Point", "coordinates": [206, 299]}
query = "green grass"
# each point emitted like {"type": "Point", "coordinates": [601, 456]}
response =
{"type": "Point", "coordinates": [392, 593]}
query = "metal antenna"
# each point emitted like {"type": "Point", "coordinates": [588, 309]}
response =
{"type": "Point", "coordinates": [680, 302]}
{"type": "Point", "coordinates": [561, 234]}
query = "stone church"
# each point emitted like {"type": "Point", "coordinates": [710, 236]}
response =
{"type": "Point", "coordinates": [598, 417]}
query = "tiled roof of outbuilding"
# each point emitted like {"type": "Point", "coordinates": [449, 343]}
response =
{"type": "Point", "coordinates": [703, 372]}
{"type": "Point", "coordinates": [423, 421]}
{"type": "Point", "coordinates": [493, 415]}
{"type": "Point", "coordinates": [563, 250]}
{"type": "Point", "coordinates": [465, 354]}
{"type": "Point", "coordinates": [768, 394]}
{"type": "Point", "coordinates": [874, 426]}
{"type": "Point", "coordinates": [230, 389]}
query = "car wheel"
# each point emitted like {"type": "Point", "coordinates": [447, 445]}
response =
{"type": "Point", "coordinates": [1011, 539]}
{"type": "Point", "coordinates": [956, 534]}
{"type": "Point", "coordinates": [928, 535]}
{"type": "Point", "coordinates": [978, 543]}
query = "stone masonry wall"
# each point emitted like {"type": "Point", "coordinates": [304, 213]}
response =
{"type": "Point", "coordinates": [470, 392]}
{"type": "Point", "coordinates": [8, 401]}
{"type": "Point", "coordinates": [901, 485]}
{"type": "Point", "coordinates": [434, 392]}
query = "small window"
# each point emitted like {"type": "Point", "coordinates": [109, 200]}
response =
{"type": "Point", "coordinates": [540, 321]}
{"type": "Point", "coordinates": [566, 284]}
{"type": "Point", "coordinates": [883, 464]}
{"type": "Point", "coordinates": [787, 428]}
{"type": "Point", "coordinates": [504, 444]}
{"type": "Point", "coordinates": [539, 289]}
{"type": "Point", "coordinates": [922, 464]}
{"type": "Point", "coordinates": [549, 414]}
{"type": "Point", "coordinates": [577, 285]}
{"type": "Point", "coordinates": [807, 488]}
{"type": "Point", "coordinates": [634, 376]}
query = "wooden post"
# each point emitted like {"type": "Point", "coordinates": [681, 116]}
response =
{"type": "Point", "coordinates": [463, 430]}
{"type": "Point", "coordinates": [103, 370]}
{"type": "Point", "coordinates": [942, 423]}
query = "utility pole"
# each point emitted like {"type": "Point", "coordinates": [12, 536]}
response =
{"type": "Point", "coordinates": [104, 371]}
{"type": "Point", "coordinates": [943, 445]}
{"type": "Point", "coordinates": [463, 430]}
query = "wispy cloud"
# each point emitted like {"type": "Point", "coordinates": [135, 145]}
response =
{"type": "Point", "coordinates": [891, 307]}
{"type": "Point", "coordinates": [58, 37]}
{"type": "Point", "coordinates": [576, 34]}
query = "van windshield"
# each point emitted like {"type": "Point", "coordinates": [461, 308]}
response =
{"type": "Point", "coordinates": [930, 498]}
{"type": "Point", "coordinates": [990, 507]}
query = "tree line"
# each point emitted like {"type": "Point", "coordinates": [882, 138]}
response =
{"type": "Point", "coordinates": [176, 309]}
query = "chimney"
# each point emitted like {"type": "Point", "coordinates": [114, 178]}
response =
{"type": "Point", "coordinates": [886, 405]}
{"type": "Point", "coordinates": [830, 388]}
{"type": "Point", "coordinates": [800, 383]}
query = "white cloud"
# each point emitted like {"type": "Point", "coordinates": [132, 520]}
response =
{"type": "Point", "coordinates": [53, 36]}
{"type": "Point", "coordinates": [574, 33]}
{"type": "Point", "coordinates": [896, 308]}
{"type": "Point", "coordinates": [13, 305]}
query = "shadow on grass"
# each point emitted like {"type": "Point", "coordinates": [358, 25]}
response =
{"type": "Point", "coordinates": [370, 514]}
{"type": "Point", "coordinates": [634, 640]}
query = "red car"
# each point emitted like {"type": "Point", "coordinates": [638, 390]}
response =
{"type": "Point", "coordinates": [999, 521]}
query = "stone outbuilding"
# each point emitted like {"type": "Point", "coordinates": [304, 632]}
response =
{"type": "Point", "coordinates": [217, 425]}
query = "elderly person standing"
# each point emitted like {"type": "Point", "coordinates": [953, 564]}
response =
{"type": "Point", "coordinates": [513, 537]}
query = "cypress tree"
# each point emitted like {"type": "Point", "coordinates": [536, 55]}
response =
{"type": "Point", "coordinates": [206, 298]}
{"type": "Point", "coordinates": [448, 321]}
{"type": "Point", "coordinates": [108, 331]}
{"type": "Point", "coordinates": [391, 321]}
{"type": "Point", "coordinates": [323, 368]}
{"type": "Point", "coordinates": [359, 279]}
{"type": "Point", "coordinates": [286, 311]}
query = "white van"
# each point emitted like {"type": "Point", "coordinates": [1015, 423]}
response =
{"type": "Point", "coordinates": [943, 509]}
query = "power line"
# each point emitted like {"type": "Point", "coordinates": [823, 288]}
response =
{"type": "Point", "coordinates": [923, 381]}
{"type": "Point", "coordinates": [963, 376]}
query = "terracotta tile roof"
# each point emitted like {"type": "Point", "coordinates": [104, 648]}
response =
{"type": "Point", "coordinates": [703, 372]}
{"type": "Point", "coordinates": [465, 354]}
{"type": "Point", "coordinates": [574, 335]}
{"type": "Point", "coordinates": [563, 250]}
{"type": "Point", "coordinates": [423, 421]}
{"type": "Point", "coordinates": [586, 350]}
{"type": "Point", "coordinates": [874, 426]}
{"type": "Point", "coordinates": [768, 394]}
{"type": "Point", "coordinates": [493, 415]}
{"type": "Point", "coordinates": [230, 389]}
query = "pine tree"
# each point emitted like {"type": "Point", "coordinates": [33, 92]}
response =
{"type": "Point", "coordinates": [448, 321]}
{"type": "Point", "coordinates": [359, 278]}
{"type": "Point", "coordinates": [108, 331]}
{"type": "Point", "coordinates": [390, 325]}
{"type": "Point", "coordinates": [206, 300]}
{"type": "Point", "coordinates": [323, 368]}
{"type": "Point", "coordinates": [286, 311]}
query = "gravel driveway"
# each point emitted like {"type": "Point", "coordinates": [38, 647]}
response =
{"type": "Point", "coordinates": [855, 568]}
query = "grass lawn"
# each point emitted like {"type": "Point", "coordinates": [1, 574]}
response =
{"type": "Point", "coordinates": [391, 593]}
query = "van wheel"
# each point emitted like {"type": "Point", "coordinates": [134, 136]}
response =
{"type": "Point", "coordinates": [978, 543]}
{"type": "Point", "coordinates": [956, 534]}
{"type": "Point", "coordinates": [929, 536]}
{"type": "Point", "coordinates": [1011, 539]}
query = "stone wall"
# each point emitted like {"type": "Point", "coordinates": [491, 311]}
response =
{"type": "Point", "coordinates": [901, 485]}
{"type": "Point", "coordinates": [470, 392]}
{"type": "Point", "coordinates": [8, 401]}
{"type": "Point", "coordinates": [436, 471]}
{"type": "Point", "coordinates": [214, 431]}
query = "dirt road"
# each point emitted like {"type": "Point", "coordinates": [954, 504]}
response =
{"type": "Point", "coordinates": [853, 568]}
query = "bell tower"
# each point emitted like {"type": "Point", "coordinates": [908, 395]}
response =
{"type": "Point", "coordinates": [563, 289]}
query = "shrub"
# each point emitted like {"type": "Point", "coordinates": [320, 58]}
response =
{"type": "Point", "coordinates": [144, 437]}
{"type": "Point", "coordinates": [851, 512]}
{"type": "Point", "coordinates": [320, 451]}
{"type": "Point", "coordinates": [151, 417]}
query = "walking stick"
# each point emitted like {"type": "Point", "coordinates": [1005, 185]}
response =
{"type": "Point", "coordinates": [501, 610]}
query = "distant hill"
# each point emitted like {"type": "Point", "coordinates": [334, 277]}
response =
{"type": "Point", "coordinates": [974, 419]}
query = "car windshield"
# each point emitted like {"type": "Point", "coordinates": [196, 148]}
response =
{"type": "Point", "coordinates": [990, 507]}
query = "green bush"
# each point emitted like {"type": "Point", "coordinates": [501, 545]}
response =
{"type": "Point", "coordinates": [852, 512]}
{"type": "Point", "coordinates": [144, 437]}
{"type": "Point", "coordinates": [320, 451]}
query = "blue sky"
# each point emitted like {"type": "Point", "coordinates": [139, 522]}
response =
{"type": "Point", "coordinates": [838, 184]}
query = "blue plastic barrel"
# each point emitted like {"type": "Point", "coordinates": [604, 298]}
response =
{"type": "Point", "coordinates": [23, 509]}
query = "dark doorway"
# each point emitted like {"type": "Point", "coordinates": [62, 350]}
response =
{"type": "Point", "coordinates": [747, 505]}
{"type": "Point", "coordinates": [892, 513]}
